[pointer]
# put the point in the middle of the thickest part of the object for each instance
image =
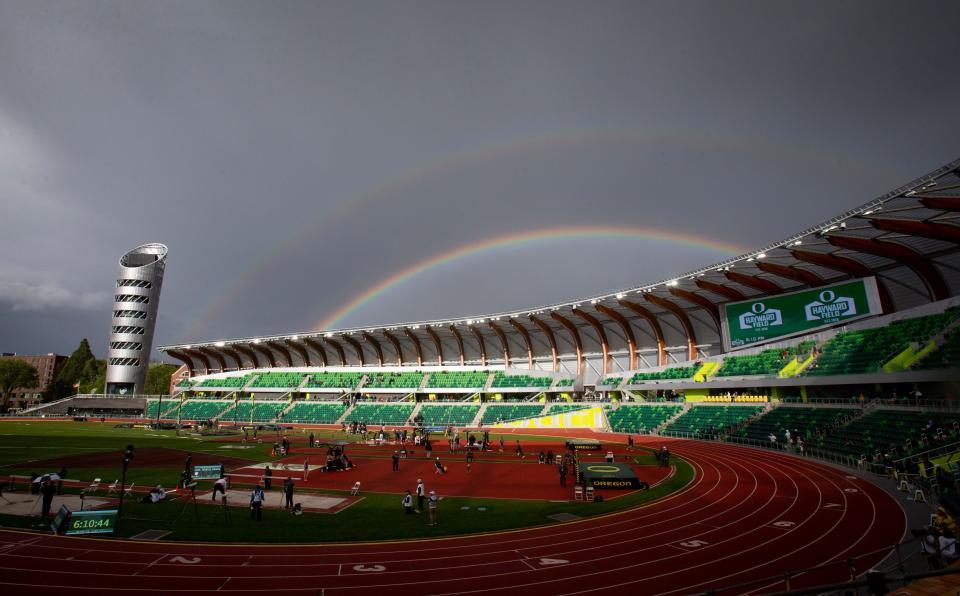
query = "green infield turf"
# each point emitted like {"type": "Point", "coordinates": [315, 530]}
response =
{"type": "Point", "coordinates": [374, 517]}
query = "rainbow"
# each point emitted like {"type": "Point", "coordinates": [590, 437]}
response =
{"type": "Point", "coordinates": [763, 149]}
{"type": "Point", "coordinates": [517, 239]}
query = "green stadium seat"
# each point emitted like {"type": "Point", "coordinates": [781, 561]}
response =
{"type": "Point", "coordinates": [701, 420]}
{"type": "Point", "coordinates": [640, 419]}
{"type": "Point", "coordinates": [333, 380]}
{"type": "Point", "coordinates": [394, 380]}
{"type": "Point", "coordinates": [473, 379]}
{"type": "Point", "coordinates": [676, 373]}
{"type": "Point", "coordinates": [378, 413]}
{"type": "Point", "coordinates": [506, 413]}
{"type": "Point", "coordinates": [502, 380]}
{"type": "Point", "coordinates": [315, 412]}
{"type": "Point", "coordinates": [456, 415]}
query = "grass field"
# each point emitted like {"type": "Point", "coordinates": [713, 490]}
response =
{"type": "Point", "coordinates": [27, 447]}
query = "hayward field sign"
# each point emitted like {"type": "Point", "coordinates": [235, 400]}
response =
{"type": "Point", "coordinates": [770, 318]}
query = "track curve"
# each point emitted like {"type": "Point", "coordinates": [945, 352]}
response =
{"type": "Point", "coordinates": [748, 514]}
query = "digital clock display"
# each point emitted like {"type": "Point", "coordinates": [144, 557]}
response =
{"type": "Point", "coordinates": [92, 522]}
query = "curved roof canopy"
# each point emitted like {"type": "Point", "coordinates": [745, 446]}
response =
{"type": "Point", "coordinates": [907, 238]}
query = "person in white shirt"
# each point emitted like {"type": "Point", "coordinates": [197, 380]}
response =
{"type": "Point", "coordinates": [408, 503]}
{"type": "Point", "coordinates": [220, 486]}
{"type": "Point", "coordinates": [256, 503]}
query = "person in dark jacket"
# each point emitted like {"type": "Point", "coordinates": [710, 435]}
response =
{"type": "Point", "coordinates": [48, 490]}
{"type": "Point", "coordinates": [288, 493]}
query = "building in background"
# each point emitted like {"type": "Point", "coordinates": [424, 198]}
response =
{"type": "Point", "coordinates": [135, 303]}
{"type": "Point", "coordinates": [178, 376]}
{"type": "Point", "coordinates": [46, 365]}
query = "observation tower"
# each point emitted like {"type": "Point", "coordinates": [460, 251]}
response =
{"type": "Point", "coordinates": [135, 302]}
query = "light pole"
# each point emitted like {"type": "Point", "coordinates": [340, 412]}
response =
{"type": "Point", "coordinates": [127, 456]}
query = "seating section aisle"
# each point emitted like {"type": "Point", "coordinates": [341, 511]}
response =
{"type": "Point", "coordinates": [381, 413]}
{"type": "Point", "coordinates": [168, 405]}
{"type": "Point", "coordinates": [228, 382]}
{"type": "Point", "coordinates": [809, 422]}
{"type": "Point", "coordinates": [505, 381]}
{"type": "Point", "coordinates": [201, 409]}
{"type": "Point", "coordinates": [679, 372]}
{"type": "Point", "coordinates": [857, 352]}
{"type": "Point", "coordinates": [767, 362]}
{"type": "Point", "coordinates": [394, 380]}
{"type": "Point", "coordinates": [434, 415]}
{"type": "Point", "coordinates": [504, 413]}
{"type": "Point", "coordinates": [334, 380]}
{"type": "Point", "coordinates": [945, 356]}
{"type": "Point", "coordinates": [283, 380]}
{"type": "Point", "coordinates": [314, 412]}
{"type": "Point", "coordinates": [700, 420]}
{"type": "Point", "coordinates": [262, 411]}
{"type": "Point", "coordinates": [564, 408]}
{"type": "Point", "coordinates": [890, 431]}
{"type": "Point", "coordinates": [469, 379]}
{"type": "Point", "coordinates": [640, 419]}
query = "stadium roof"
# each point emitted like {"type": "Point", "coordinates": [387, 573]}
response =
{"type": "Point", "coordinates": [908, 239]}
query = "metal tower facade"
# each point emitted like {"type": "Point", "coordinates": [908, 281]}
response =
{"type": "Point", "coordinates": [135, 302]}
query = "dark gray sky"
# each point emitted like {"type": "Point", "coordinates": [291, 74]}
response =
{"type": "Point", "coordinates": [293, 155]}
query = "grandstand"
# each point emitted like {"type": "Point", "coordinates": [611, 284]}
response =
{"type": "Point", "coordinates": [333, 380]}
{"type": "Point", "coordinates": [809, 422]}
{"type": "Point", "coordinates": [378, 413]}
{"type": "Point", "coordinates": [471, 379]}
{"type": "Point", "coordinates": [313, 412]}
{"type": "Point", "coordinates": [505, 413]}
{"type": "Point", "coordinates": [641, 419]}
{"type": "Point", "coordinates": [444, 415]}
{"type": "Point", "coordinates": [257, 411]}
{"type": "Point", "coordinates": [710, 420]}
{"type": "Point", "coordinates": [394, 380]}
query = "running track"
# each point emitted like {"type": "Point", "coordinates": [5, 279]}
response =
{"type": "Point", "coordinates": [748, 514]}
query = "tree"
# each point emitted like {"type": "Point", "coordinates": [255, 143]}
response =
{"type": "Point", "coordinates": [13, 374]}
{"type": "Point", "coordinates": [100, 381]}
{"type": "Point", "coordinates": [158, 379]}
{"type": "Point", "coordinates": [80, 367]}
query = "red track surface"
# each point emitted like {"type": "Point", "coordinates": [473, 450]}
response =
{"type": "Point", "coordinates": [493, 474]}
{"type": "Point", "coordinates": [749, 514]}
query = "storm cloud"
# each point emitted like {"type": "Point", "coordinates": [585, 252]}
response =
{"type": "Point", "coordinates": [295, 155]}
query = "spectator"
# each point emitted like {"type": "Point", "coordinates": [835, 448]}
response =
{"type": "Point", "coordinates": [408, 503]}
{"type": "Point", "coordinates": [288, 493]}
{"type": "Point", "coordinates": [48, 491]}
{"type": "Point", "coordinates": [220, 486]}
{"type": "Point", "coordinates": [256, 503]}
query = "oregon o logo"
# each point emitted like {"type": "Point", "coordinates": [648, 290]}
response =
{"type": "Point", "coordinates": [758, 307]}
{"type": "Point", "coordinates": [603, 469]}
{"type": "Point", "coordinates": [827, 296]}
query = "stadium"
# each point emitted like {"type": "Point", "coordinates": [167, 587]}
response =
{"type": "Point", "coordinates": [778, 422]}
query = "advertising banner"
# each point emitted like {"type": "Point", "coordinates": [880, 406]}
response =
{"type": "Point", "coordinates": [761, 320]}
